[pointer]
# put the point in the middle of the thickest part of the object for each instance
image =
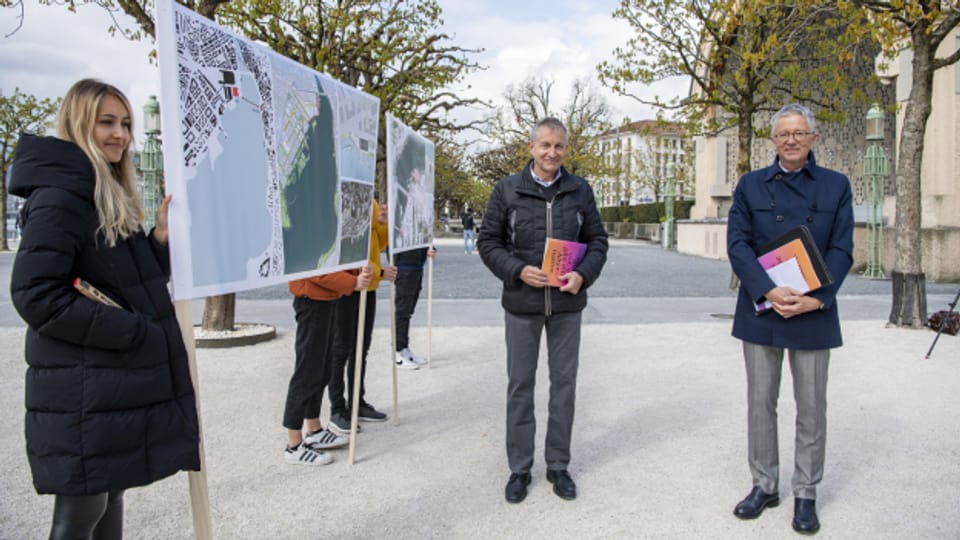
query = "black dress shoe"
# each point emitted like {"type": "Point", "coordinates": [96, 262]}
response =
{"type": "Point", "coordinates": [752, 506]}
{"type": "Point", "coordinates": [805, 516]}
{"type": "Point", "coordinates": [516, 489]}
{"type": "Point", "coordinates": [563, 485]}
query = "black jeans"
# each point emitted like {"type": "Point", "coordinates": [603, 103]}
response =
{"type": "Point", "coordinates": [345, 344]}
{"type": "Point", "coordinates": [408, 285]}
{"type": "Point", "coordinates": [311, 371]}
{"type": "Point", "coordinates": [95, 517]}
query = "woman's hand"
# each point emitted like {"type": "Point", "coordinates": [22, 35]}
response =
{"type": "Point", "coordinates": [161, 233]}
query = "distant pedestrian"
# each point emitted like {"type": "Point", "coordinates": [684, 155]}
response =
{"type": "Point", "coordinates": [110, 403]}
{"type": "Point", "coordinates": [345, 334]}
{"type": "Point", "coordinates": [408, 286]}
{"type": "Point", "coordinates": [768, 202]}
{"type": "Point", "coordinates": [542, 201]}
{"type": "Point", "coordinates": [469, 231]}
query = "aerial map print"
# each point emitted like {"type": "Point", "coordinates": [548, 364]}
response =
{"type": "Point", "coordinates": [267, 161]}
{"type": "Point", "coordinates": [410, 170]}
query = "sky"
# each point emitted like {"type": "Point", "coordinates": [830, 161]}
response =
{"type": "Point", "coordinates": [557, 41]}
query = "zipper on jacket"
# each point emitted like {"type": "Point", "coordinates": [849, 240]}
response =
{"type": "Point", "coordinates": [547, 307]}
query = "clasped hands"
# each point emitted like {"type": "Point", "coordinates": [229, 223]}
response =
{"type": "Point", "coordinates": [790, 302]}
{"type": "Point", "coordinates": [534, 277]}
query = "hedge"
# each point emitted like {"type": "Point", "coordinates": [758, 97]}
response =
{"type": "Point", "coordinates": [645, 213]}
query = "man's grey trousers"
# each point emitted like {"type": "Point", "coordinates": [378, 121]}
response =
{"type": "Point", "coordinates": [809, 370]}
{"type": "Point", "coordinates": [563, 357]}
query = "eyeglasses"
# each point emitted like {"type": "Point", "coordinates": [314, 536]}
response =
{"type": "Point", "coordinates": [798, 135]}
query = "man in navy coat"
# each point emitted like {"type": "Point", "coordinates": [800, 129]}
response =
{"type": "Point", "coordinates": [768, 202]}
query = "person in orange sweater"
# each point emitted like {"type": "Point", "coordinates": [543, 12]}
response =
{"type": "Point", "coordinates": [314, 303]}
{"type": "Point", "coordinates": [345, 334]}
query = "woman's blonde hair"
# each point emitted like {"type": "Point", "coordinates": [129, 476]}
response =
{"type": "Point", "coordinates": [116, 194]}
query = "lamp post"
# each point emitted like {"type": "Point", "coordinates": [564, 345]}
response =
{"type": "Point", "coordinates": [668, 196]}
{"type": "Point", "coordinates": [875, 171]}
{"type": "Point", "coordinates": [151, 162]}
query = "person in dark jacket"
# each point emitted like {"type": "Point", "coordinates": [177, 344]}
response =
{"type": "Point", "coordinates": [110, 403]}
{"type": "Point", "coordinates": [543, 201]}
{"type": "Point", "coordinates": [407, 287]}
{"type": "Point", "coordinates": [768, 202]}
{"type": "Point", "coordinates": [469, 231]}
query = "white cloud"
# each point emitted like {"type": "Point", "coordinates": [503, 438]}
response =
{"type": "Point", "coordinates": [55, 48]}
{"type": "Point", "coordinates": [559, 44]}
{"type": "Point", "coordinates": [537, 38]}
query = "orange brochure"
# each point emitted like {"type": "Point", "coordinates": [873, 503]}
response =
{"type": "Point", "coordinates": [561, 257]}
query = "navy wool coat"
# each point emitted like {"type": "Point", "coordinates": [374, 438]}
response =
{"type": "Point", "coordinates": [766, 204]}
{"type": "Point", "coordinates": [109, 399]}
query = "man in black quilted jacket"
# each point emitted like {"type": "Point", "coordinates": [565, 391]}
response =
{"type": "Point", "coordinates": [543, 201]}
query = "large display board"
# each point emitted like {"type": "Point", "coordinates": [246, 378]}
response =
{"type": "Point", "coordinates": [271, 164]}
{"type": "Point", "coordinates": [410, 185]}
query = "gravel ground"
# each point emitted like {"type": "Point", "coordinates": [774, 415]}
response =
{"type": "Point", "coordinates": [658, 451]}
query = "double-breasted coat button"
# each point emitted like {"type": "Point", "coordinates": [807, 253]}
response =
{"type": "Point", "coordinates": [779, 219]}
{"type": "Point", "coordinates": [809, 219]}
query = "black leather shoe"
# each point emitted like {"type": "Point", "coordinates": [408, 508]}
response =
{"type": "Point", "coordinates": [805, 516]}
{"type": "Point", "coordinates": [563, 485]}
{"type": "Point", "coordinates": [516, 489]}
{"type": "Point", "coordinates": [753, 504]}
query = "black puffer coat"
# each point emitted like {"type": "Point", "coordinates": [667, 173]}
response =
{"type": "Point", "coordinates": [109, 400]}
{"type": "Point", "coordinates": [514, 234]}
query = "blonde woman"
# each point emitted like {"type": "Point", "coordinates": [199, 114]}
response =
{"type": "Point", "coordinates": [109, 400]}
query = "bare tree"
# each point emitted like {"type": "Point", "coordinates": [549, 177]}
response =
{"type": "Point", "coordinates": [585, 115]}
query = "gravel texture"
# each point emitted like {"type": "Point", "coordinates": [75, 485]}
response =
{"type": "Point", "coordinates": [659, 445]}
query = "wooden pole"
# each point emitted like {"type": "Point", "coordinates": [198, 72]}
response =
{"type": "Point", "coordinates": [199, 494]}
{"type": "Point", "coordinates": [429, 310]}
{"type": "Point", "coordinates": [393, 344]}
{"type": "Point", "coordinates": [357, 374]}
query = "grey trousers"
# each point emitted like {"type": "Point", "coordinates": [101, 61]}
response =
{"type": "Point", "coordinates": [563, 358]}
{"type": "Point", "coordinates": [809, 371]}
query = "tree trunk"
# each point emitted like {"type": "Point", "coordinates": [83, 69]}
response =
{"type": "Point", "coordinates": [744, 152]}
{"type": "Point", "coordinates": [909, 310]}
{"type": "Point", "coordinates": [218, 312]}
{"type": "Point", "coordinates": [909, 300]}
{"type": "Point", "coordinates": [3, 205]}
{"type": "Point", "coordinates": [744, 142]}
{"type": "Point", "coordinates": [3, 219]}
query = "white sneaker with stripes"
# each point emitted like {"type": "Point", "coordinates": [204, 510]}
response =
{"type": "Point", "coordinates": [418, 360]}
{"type": "Point", "coordinates": [403, 362]}
{"type": "Point", "coordinates": [325, 439]}
{"type": "Point", "coordinates": [304, 455]}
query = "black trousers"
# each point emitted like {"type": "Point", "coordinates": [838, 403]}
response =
{"type": "Point", "coordinates": [94, 517]}
{"type": "Point", "coordinates": [408, 285]}
{"type": "Point", "coordinates": [345, 344]}
{"type": "Point", "coordinates": [311, 371]}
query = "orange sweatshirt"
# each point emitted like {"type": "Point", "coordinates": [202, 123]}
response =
{"type": "Point", "coordinates": [326, 287]}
